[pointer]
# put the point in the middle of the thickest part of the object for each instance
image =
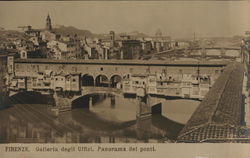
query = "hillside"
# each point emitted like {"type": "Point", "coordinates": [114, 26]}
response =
{"type": "Point", "coordinates": [70, 30]}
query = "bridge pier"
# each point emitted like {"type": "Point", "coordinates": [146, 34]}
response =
{"type": "Point", "coordinates": [143, 107]}
{"type": "Point", "coordinates": [112, 101]}
{"type": "Point", "coordinates": [62, 103]}
{"type": "Point", "coordinates": [90, 103]}
{"type": "Point", "coordinates": [146, 105]}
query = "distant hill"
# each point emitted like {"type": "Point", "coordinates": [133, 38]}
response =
{"type": "Point", "coordinates": [138, 34]}
{"type": "Point", "coordinates": [70, 30]}
{"type": "Point", "coordinates": [135, 34]}
{"type": "Point", "coordinates": [4, 34]}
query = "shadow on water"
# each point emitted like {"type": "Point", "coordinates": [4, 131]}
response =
{"type": "Point", "coordinates": [28, 98]}
{"type": "Point", "coordinates": [94, 122]}
{"type": "Point", "coordinates": [82, 114]}
{"type": "Point", "coordinates": [22, 98]}
{"type": "Point", "coordinates": [81, 102]}
{"type": "Point", "coordinates": [4, 101]}
{"type": "Point", "coordinates": [144, 128]}
{"type": "Point", "coordinates": [90, 123]}
{"type": "Point", "coordinates": [171, 127]}
{"type": "Point", "coordinates": [156, 126]}
{"type": "Point", "coordinates": [157, 122]}
{"type": "Point", "coordinates": [172, 97]}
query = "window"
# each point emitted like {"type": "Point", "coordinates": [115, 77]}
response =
{"type": "Point", "coordinates": [46, 84]}
{"type": "Point", "coordinates": [23, 55]}
{"type": "Point", "coordinates": [10, 59]}
{"type": "Point", "coordinates": [101, 68]}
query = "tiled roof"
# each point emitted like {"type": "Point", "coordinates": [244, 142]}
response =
{"type": "Point", "coordinates": [220, 109]}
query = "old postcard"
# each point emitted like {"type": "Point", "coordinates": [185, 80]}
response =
{"type": "Point", "coordinates": [124, 79]}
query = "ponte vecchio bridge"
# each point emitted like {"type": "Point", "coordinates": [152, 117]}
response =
{"type": "Point", "coordinates": [100, 73]}
{"type": "Point", "coordinates": [107, 73]}
{"type": "Point", "coordinates": [109, 69]}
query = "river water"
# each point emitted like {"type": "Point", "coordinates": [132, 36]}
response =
{"type": "Point", "coordinates": [108, 119]}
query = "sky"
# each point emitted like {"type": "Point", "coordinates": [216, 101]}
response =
{"type": "Point", "coordinates": [174, 18]}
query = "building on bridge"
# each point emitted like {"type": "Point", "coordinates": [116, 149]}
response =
{"type": "Point", "coordinates": [6, 68]}
{"type": "Point", "coordinates": [180, 85]}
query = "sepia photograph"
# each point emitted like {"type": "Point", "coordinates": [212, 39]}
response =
{"type": "Point", "coordinates": [147, 72]}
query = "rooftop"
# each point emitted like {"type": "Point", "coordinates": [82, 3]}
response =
{"type": "Point", "coordinates": [127, 62]}
{"type": "Point", "coordinates": [219, 114]}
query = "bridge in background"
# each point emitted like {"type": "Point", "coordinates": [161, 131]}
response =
{"type": "Point", "coordinates": [205, 53]}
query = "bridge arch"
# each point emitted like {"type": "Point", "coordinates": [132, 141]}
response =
{"type": "Point", "coordinates": [102, 81]}
{"type": "Point", "coordinates": [115, 81]}
{"type": "Point", "coordinates": [87, 80]}
{"type": "Point", "coordinates": [26, 97]}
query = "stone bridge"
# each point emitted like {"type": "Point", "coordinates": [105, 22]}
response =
{"type": "Point", "coordinates": [107, 90]}
{"type": "Point", "coordinates": [209, 53]}
{"type": "Point", "coordinates": [146, 105]}
{"type": "Point", "coordinates": [110, 72]}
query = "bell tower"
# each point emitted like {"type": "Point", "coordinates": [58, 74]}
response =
{"type": "Point", "coordinates": [48, 23]}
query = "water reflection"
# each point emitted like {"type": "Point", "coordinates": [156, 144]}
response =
{"type": "Point", "coordinates": [94, 118]}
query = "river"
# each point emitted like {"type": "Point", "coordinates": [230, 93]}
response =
{"type": "Point", "coordinates": [109, 119]}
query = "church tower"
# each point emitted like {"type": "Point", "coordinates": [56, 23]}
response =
{"type": "Point", "coordinates": [48, 23]}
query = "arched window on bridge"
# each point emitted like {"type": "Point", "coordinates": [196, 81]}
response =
{"type": "Point", "coordinates": [102, 81]}
{"type": "Point", "coordinates": [115, 81]}
{"type": "Point", "coordinates": [87, 80]}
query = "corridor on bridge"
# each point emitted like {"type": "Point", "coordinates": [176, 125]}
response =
{"type": "Point", "coordinates": [114, 81]}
